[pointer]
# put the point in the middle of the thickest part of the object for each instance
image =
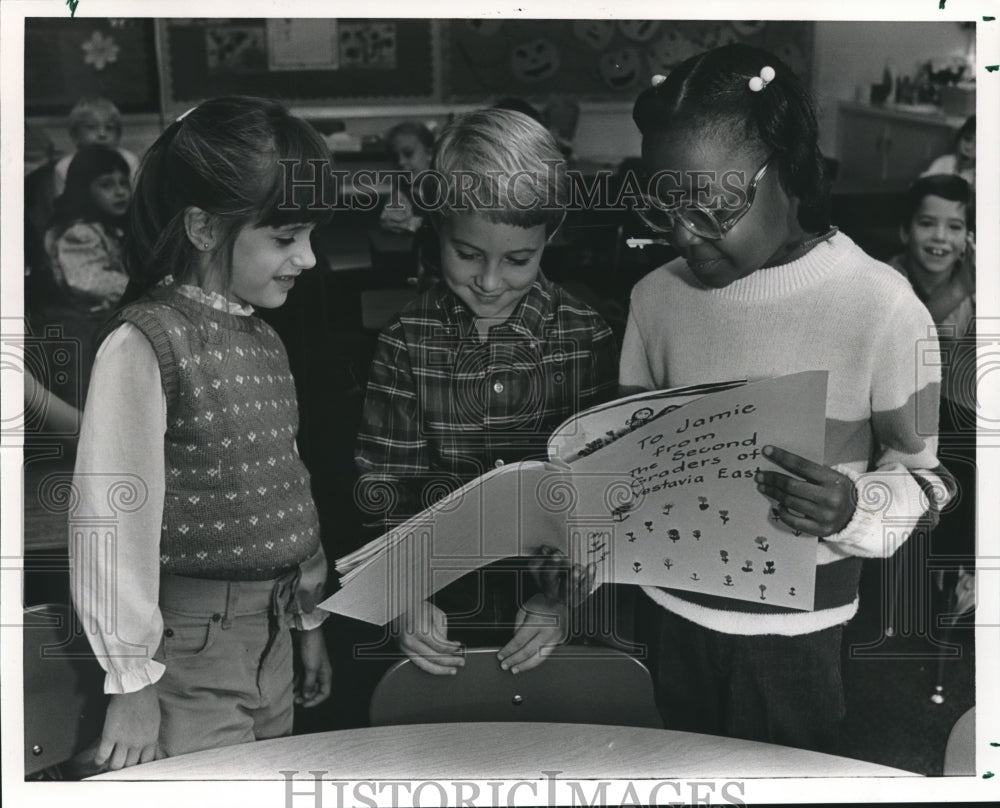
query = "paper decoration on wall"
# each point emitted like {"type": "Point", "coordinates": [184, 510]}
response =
{"type": "Point", "coordinates": [717, 36]}
{"type": "Point", "coordinates": [534, 60]}
{"type": "Point", "coordinates": [665, 501]}
{"type": "Point", "coordinates": [670, 50]}
{"type": "Point", "coordinates": [368, 45]}
{"type": "Point", "coordinates": [748, 27]}
{"type": "Point", "coordinates": [595, 33]}
{"type": "Point", "coordinates": [294, 44]}
{"type": "Point", "coordinates": [99, 51]}
{"type": "Point", "coordinates": [639, 30]}
{"type": "Point", "coordinates": [620, 69]}
{"type": "Point", "coordinates": [791, 55]}
{"type": "Point", "coordinates": [484, 27]}
{"type": "Point", "coordinates": [235, 48]}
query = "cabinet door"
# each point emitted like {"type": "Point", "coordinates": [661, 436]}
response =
{"type": "Point", "coordinates": [912, 145]}
{"type": "Point", "coordinates": [862, 146]}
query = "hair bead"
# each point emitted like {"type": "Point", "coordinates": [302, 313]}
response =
{"type": "Point", "coordinates": [758, 83]}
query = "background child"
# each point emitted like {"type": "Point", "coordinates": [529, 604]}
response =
{"type": "Point", "coordinates": [963, 161]}
{"type": "Point", "coordinates": [518, 355]}
{"type": "Point", "coordinates": [765, 287]}
{"type": "Point", "coordinates": [939, 262]}
{"type": "Point", "coordinates": [193, 407]}
{"type": "Point", "coordinates": [412, 144]}
{"type": "Point", "coordinates": [94, 120]}
{"type": "Point", "coordinates": [87, 239]}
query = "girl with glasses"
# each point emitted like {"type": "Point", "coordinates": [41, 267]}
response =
{"type": "Point", "coordinates": [764, 287]}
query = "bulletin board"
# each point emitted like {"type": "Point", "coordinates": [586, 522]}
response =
{"type": "Point", "coordinates": [599, 60]}
{"type": "Point", "coordinates": [370, 61]}
{"type": "Point", "coordinates": [66, 59]}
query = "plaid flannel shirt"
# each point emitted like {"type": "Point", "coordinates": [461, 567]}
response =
{"type": "Point", "coordinates": [443, 406]}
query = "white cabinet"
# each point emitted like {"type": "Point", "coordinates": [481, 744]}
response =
{"type": "Point", "coordinates": [885, 143]}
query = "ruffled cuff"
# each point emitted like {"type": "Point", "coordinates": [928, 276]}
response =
{"type": "Point", "coordinates": [132, 679]}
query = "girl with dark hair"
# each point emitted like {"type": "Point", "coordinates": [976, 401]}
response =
{"type": "Point", "coordinates": [86, 241]}
{"type": "Point", "coordinates": [765, 287]}
{"type": "Point", "coordinates": [192, 419]}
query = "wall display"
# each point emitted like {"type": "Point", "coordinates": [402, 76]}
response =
{"type": "Point", "coordinates": [596, 60]}
{"type": "Point", "coordinates": [300, 61]}
{"type": "Point", "coordinates": [68, 59]}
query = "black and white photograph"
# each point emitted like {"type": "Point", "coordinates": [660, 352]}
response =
{"type": "Point", "coordinates": [499, 405]}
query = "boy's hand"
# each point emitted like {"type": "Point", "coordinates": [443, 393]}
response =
{"type": "Point", "coordinates": [423, 637]}
{"type": "Point", "coordinates": [542, 624]}
{"type": "Point", "coordinates": [821, 504]}
{"type": "Point", "coordinates": [131, 729]}
{"type": "Point", "coordinates": [317, 673]}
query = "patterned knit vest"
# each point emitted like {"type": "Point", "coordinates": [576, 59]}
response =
{"type": "Point", "coordinates": [238, 504]}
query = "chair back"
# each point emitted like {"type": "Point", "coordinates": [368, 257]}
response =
{"type": "Point", "coordinates": [64, 703]}
{"type": "Point", "coordinates": [575, 685]}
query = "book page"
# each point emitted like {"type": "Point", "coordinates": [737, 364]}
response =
{"type": "Point", "coordinates": [680, 495]}
{"type": "Point", "coordinates": [507, 513]}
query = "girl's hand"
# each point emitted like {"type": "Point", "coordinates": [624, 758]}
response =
{"type": "Point", "coordinates": [131, 729]}
{"type": "Point", "coordinates": [423, 637]}
{"type": "Point", "coordinates": [542, 624]}
{"type": "Point", "coordinates": [317, 673]}
{"type": "Point", "coordinates": [821, 504]}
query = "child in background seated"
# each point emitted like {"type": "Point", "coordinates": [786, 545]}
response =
{"type": "Point", "coordinates": [412, 145]}
{"type": "Point", "coordinates": [86, 241]}
{"type": "Point", "coordinates": [939, 262]}
{"type": "Point", "coordinates": [192, 408]}
{"type": "Point", "coordinates": [764, 287]}
{"type": "Point", "coordinates": [963, 161]}
{"type": "Point", "coordinates": [94, 120]}
{"type": "Point", "coordinates": [518, 355]}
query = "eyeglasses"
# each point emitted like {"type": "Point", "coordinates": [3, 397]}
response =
{"type": "Point", "coordinates": [703, 222]}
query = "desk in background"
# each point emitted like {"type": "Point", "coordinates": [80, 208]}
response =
{"type": "Point", "coordinates": [505, 751]}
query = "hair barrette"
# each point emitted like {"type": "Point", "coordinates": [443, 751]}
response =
{"type": "Point", "coordinates": [183, 115]}
{"type": "Point", "coordinates": [758, 83]}
{"type": "Point", "coordinates": [657, 80]}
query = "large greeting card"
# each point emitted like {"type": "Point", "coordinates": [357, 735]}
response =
{"type": "Point", "coordinates": [655, 489]}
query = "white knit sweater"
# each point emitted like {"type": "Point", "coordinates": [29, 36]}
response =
{"type": "Point", "coordinates": [834, 309]}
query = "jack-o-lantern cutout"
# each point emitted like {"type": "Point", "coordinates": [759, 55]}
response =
{"type": "Point", "coordinates": [639, 30]}
{"type": "Point", "coordinates": [791, 55]}
{"type": "Point", "coordinates": [595, 33]}
{"type": "Point", "coordinates": [620, 69]}
{"type": "Point", "coordinates": [718, 35]}
{"type": "Point", "coordinates": [669, 51]}
{"type": "Point", "coordinates": [534, 61]}
{"type": "Point", "coordinates": [484, 27]}
{"type": "Point", "coordinates": [748, 27]}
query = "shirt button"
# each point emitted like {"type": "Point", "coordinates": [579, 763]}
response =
{"type": "Point", "coordinates": [498, 463]}
{"type": "Point", "coordinates": [497, 387]}
{"type": "Point", "coordinates": [216, 617]}
{"type": "Point", "coordinates": [169, 632]}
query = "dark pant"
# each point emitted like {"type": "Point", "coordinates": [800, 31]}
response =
{"type": "Point", "coordinates": [772, 688]}
{"type": "Point", "coordinates": [955, 534]}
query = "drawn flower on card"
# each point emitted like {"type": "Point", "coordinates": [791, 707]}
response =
{"type": "Point", "coordinates": [100, 51]}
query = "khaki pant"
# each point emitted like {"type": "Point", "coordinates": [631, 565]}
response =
{"type": "Point", "coordinates": [227, 649]}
